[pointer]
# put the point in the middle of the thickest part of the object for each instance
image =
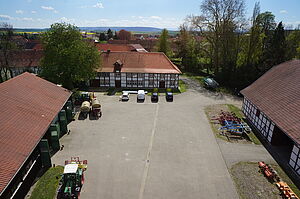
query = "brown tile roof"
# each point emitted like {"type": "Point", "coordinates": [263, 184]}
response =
{"type": "Point", "coordinates": [120, 47]}
{"type": "Point", "coordinates": [24, 58]}
{"type": "Point", "coordinates": [28, 106]}
{"type": "Point", "coordinates": [277, 94]}
{"type": "Point", "coordinates": [138, 62]}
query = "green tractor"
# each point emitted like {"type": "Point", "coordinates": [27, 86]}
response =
{"type": "Point", "coordinates": [72, 179]}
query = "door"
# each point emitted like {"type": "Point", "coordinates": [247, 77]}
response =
{"type": "Point", "coordinates": [118, 83]}
{"type": "Point", "coordinates": [162, 84]}
{"type": "Point", "coordinates": [95, 83]}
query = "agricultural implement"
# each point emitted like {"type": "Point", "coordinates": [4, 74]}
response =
{"type": "Point", "coordinates": [85, 108]}
{"type": "Point", "coordinates": [231, 123]}
{"type": "Point", "coordinates": [286, 191]}
{"type": "Point", "coordinates": [269, 172]}
{"type": "Point", "coordinates": [72, 179]}
{"type": "Point", "coordinates": [96, 108]}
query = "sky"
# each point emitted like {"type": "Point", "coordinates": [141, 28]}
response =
{"type": "Point", "coordinates": [125, 13]}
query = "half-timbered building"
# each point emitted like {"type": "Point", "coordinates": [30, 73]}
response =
{"type": "Point", "coordinates": [136, 70]}
{"type": "Point", "coordinates": [272, 105]}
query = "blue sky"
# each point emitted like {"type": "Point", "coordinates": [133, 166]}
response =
{"type": "Point", "coordinates": [151, 13]}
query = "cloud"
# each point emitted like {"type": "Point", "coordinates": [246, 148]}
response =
{"type": "Point", "coordinates": [65, 19]}
{"type": "Point", "coordinates": [155, 17]}
{"type": "Point", "coordinates": [98, 5]}
{"type": "Point", "coordinates": [26, 19]}
{"type": "Point", "coordinates": [33, 12]}
{"type": "Point", "coordinates": [47, 8]}
{"type": "Point", "coordinates": [19, 11]}
{"type": "Point", "coordinates": [283, 12]}
{"type": "Point", "coordinates": [6, 17]}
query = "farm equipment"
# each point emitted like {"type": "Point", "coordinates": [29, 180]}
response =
{"type": "Point", "coordinates": [96, 108]}
{"type": "Point", "coordinates": [81, 97]}
{"type": "Point", "coordinates": [72, 179]}
{"type": "Point", "coordinates": [269, 172]}
{"type": "Point", "coordinates": [85, 108]}
{"type": "Point", "coordinates": [231, 124]}
{"type": "Point", "coordinates": [286, 191]}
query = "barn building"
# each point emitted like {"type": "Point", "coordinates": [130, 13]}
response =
{"type": "Point", "coordinates": [34, 115]}
{"type": "Point", "coordinates": [272, 105]}
{"type": "Point", "coordinates": [136, 70]}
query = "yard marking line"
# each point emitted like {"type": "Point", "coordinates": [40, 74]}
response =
{"type": "Point", "coordinates": [147, 164]}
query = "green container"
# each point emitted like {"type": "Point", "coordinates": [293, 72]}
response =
{"type": "Point", "coordinates": [45, 153]}
{"type": "Point", "coordinates": [55, 140]}
{"type": "Point", "coordinates": [55, 127]}
{"type": "Point", "coordinates": [63, 122]}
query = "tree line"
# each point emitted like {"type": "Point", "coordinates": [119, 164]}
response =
{"type": "Point", "coordinates": [221, 42]}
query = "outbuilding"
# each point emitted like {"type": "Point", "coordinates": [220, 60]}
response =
{"type": "Point", "coordinates": [272, 105]}
{"type": "Point", "coordinates": [34, 115]}
{"type": "Point", "coordinates": [136, 70]}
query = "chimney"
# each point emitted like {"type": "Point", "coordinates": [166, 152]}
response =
{"type": "Point", "coordinates": [108, 51]}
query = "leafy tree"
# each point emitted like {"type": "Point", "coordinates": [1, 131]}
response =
{"type": "Point", "coordinates": [102, 37]}
{"type": "Point", "coordinates": [7, 45]}
{"type": "Point", "coordinates": [68, 59]}
{"type": "Point", "coordinates": [163, 43]}
{"type": "Point", "coordinates": [109, 34]}
{"type": "Point", "coordinates": [221, 23]}
{"type": "Point", "coordinates": [275, 54]}
{"type": "Point", "coordinates": [293, 45]}
{"type": "Point", "coordinates": [124, 35]}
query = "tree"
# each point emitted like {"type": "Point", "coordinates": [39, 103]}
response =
{"type": "Point", "coordinates": [109, 34]}
{"type": "Point", "coordinates": [7, 46]}
{"type": "Point", "coordinates": [163, 43]}
{"type": "Point", "coordinates": [293, 45]}
{"type": "Point", "coordinates": [68, 59]}
{"type": "Point", "coordinates": [124, 35]}
{"type": "Point", "coordinates": [102, 37]}
{"type": "Point", "coordinates": [221, 23]}
{"type": "Point", "coordinates": [276, 52]}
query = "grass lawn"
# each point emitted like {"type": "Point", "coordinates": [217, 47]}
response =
{"type": "Point", "coordinates": [239, 113]}
{"type": "Point", "coordinates": [182, 86]}
{"type": "Point", "coordinates": [46, 186]}
{"type": "Point", "coordinates": [199, 78]}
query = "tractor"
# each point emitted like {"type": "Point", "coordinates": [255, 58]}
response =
{"type": "Point", "coordinates": [72, 179]}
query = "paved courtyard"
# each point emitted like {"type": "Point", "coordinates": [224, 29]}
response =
{"type": "Point", "coordinates": [163, 150]}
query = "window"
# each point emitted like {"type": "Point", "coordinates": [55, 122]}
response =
{"type": "Point", "coordinates": [173, 76]}
{"type": "Point", "coordinates": [140, 83]}
{"type": "Point", "coordinates": [140, 75]}
{"type": "Point", "coordinates": [257, 112]}
{"type": "Point", "coordinates": [151, 75]}
{"type": "Point", "coordinates": [151, 82]}
{"type": "Point", "coordinates": [172, 82]}
{"type": "Point", "coordinates": [118, 75]}
{"type": "Point", "coordinates": [129, 75]}
{"type": "Point", "coordinates": [134, 75]}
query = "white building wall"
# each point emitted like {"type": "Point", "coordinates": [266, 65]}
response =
{"type": "Point", "coordinates": [262, 123]}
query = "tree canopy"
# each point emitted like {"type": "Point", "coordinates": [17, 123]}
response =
{"type": "Point", "coordinates": [68, 59]}
{"type": "Point", "coordinates": [163, 43]}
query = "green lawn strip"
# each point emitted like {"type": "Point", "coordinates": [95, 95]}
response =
{"type": "Point", "coordinates": [239, 114]}
{"type": "Point", "coordinates": [46, 186]}
{"type": "Point", "coordinates": [182, 86]}
{"type": "Point", "coordinates": [199, 78]}
{"type": "Point", "coordinates": [286, 179]}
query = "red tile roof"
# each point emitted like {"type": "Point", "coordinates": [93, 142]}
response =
{"type": "Point", "coordinates": [24, 58]}
{"type": "Point", "coordinates": [277, 94]}
{"type": "Point", "coordinates": [121, 47]}
{"type": "Point", "coordinates": [28, 106]}
{"type": "Point", "coordinates": [138, 62]}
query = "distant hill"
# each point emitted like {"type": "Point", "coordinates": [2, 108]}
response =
{"type": "Point", "coordinates": [131, 29]}
{"type": "Point", "coordinates": [97, 29]}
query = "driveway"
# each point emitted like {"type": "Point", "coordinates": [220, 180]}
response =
{"type": "Point", "coordinates": [151, 150]}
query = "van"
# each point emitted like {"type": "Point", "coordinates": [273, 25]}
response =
{"type": "Point", "coordinates": [141, 95]}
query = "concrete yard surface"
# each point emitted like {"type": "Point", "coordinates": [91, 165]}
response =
{"type": "Point", "coordinates": [163, 150]}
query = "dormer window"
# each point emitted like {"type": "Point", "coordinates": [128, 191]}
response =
{"type": "Point", "coordinates": [118, 65]}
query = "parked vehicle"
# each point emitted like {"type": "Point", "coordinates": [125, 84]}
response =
{"type": "Point", "coordinates": [141, 96]}
{"type": "Point", "coordinates": [125, 96]}
{"type": "Point", "coordinates": [210, 83]}
{"type": "Point", "coordinates": [169, 96]}
{"type": "Point", "coordinates": [154, 97]}
{"type": "Point", "coordinates": [72, 179]}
